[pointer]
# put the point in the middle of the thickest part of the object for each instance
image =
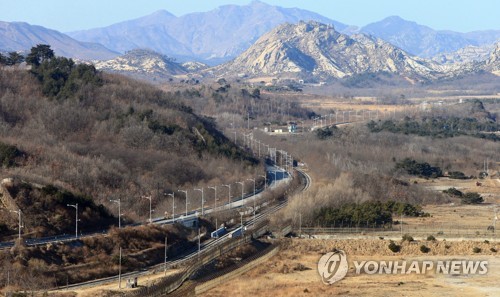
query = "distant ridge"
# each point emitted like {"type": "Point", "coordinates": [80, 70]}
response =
{"type": "Point", "coordinates": [17, 36]}
{"type": "Point", "coordinates": [216, 35]}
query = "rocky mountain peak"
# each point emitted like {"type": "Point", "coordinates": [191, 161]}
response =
{"type": "Point", "coordinates": [143, 62]}
{"type": "Point", "coordinates": [316, 49]}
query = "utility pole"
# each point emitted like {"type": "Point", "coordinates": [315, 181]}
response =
{"type": "Point", "coordinates": [119, 211]}
{"type": "Point", "coordinates": [150, 209]}
{"type": "Point", "coordinates": [202, 201]}
{"type": "Point", "coordinates": [401, 223]}
{"type": "Point", "coordinates": [186, 193]}
{"type": "Point", "coordinates": [75, 206]}
{"type": "Point", "coordinates": [166, 247]}
{"type": "Point", "coordinates": [120, 271]}
{"type": "Point", "coordinates": [300, 225]}
{"type": "Point", "coordinates": [495, 218]}
{"type": "Point", "coordinates": [173, 206]}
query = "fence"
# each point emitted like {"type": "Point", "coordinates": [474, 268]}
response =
{"type": "Point", "coordinates": [445, 231]}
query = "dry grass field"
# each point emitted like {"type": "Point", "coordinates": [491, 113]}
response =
{"type": "Point", "coordinates": [280, 276]}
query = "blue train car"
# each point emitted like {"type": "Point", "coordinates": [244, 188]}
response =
{"type": "Point", "coordinates": [218, 233]}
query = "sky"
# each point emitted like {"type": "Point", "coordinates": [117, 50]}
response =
{"type": "Point", "coordinates": [65, 15]}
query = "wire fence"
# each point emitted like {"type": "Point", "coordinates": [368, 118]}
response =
{"type": "Point", "coordinates": [444, 231]}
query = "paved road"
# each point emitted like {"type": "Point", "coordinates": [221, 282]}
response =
{"type": "Point", "coordinates": [262, 214]}
{"type": "Point", "coordinates": [281, 177]}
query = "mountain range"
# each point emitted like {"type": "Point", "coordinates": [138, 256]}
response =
{"type": "Point", "coordinates": [426, 42]}
{"type": "Point", "coordinates": [18, 36]}
{"type": "Point", "coordinates": [258, 39]}
{"type": "Point", "coordinates": [213, 36]}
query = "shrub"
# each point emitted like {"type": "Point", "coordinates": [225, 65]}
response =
{"type": "Point", "coordinates": [9, 154]}
{"type": "Point", "coordinates": [408, 238]}
{"type": "Point", "coordinates": [453, 192]}
{"type": "Point", "coordinates": [494, 250]}
{"type": "Point", "coordinates": [476, 250]}
{"type": "Point", "coordinates": [424, 249]}
{"type": "Point", "coordinates": [457, 175]}
{"type": "Point", "coordinates": [424, 169]}
{"type": "Point", "coordinates": [431, 238]}
{"type": "Point", "coordinates": [472, 198]}
{"type": "Point", "coordinates": [394, 247]}
{"type": "Point", "coordinates": [325, 133]}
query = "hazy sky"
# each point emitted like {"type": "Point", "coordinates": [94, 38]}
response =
{"type": "Point", "coordinates": [66, 15]}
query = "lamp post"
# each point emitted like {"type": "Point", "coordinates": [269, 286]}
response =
{"type": "Point", "coordinates": [241, 218]}
{"type": "Point", "coordinates": [120, 271]}
{"type": "Point", "coordinates": [20, 222]}
{"type": "Point", "coordinates": [75, 206]}
{"type": "Point", "coordinates": [173, 206]}
{"type": "Point", "coordinates": [228, 193]}
{"type": "Point", "coordinates": [150, 207]}
{"type": "Point", "coordinates": [202, 201]}
{"type": "Point", "coordinates": [265, 181]}
{"type": "Point", "coordinates": [119, 211]}
{"type": "Point", "coordinates": [242, 189]}
{"type": "Point", "coordinates": [253, 179]}
{"type": "Point", "coordinates": [215, 196]}
{"type": "Point", "coordinates": [165, 260]}
{"type": "Point", "coordinates": [186, 193]}
{"type": "Point", "coordinates": [215, 204]}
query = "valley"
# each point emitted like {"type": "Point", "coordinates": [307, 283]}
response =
{"type": "Point", "coordinates": [246, 150]}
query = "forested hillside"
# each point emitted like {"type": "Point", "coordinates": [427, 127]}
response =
{"type": "Point", "coordinates": [106, 136]}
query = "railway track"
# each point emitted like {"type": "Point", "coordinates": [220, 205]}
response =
{"type": "Point", "coordinates": [249, 223]}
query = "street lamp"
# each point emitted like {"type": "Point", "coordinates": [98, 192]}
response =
{"type": "Point", "coordinates": [173, 206]}
{"type": "Point", "coordinates": [186, 193]}
{"type": "Point", "coordinates": [20, 222]}
{"type": "Point", "coordinates": [242, 189]}
{"type": "Point", "coordinates": [150, 209]}
{"type": "Point", "coordinates": [215, 204]}
{"type": "Point", "coordinates": [75, 206]}
{"type": "Point", "coordinates": [228, 194]}
{"type": "Point", "coordinates": [215, 196]}
{"type": "Point", "coordinates": [165, 260]}
{"type": "Point", "coordinates": [202, 201]}
{"type": "Point", "coordinates": [253, 179]}
{"type": "Point", "coordinates": [265, 181]}
{"type": "Point", "coordinates": [120, 270]}
{"type": "Point", "coordinates": [119, 211]}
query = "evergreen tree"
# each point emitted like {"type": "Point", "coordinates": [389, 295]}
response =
{"type": "Point", "coordinates": [39, 53]}
{"type": "Point", "coordinates": [15, 58]}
